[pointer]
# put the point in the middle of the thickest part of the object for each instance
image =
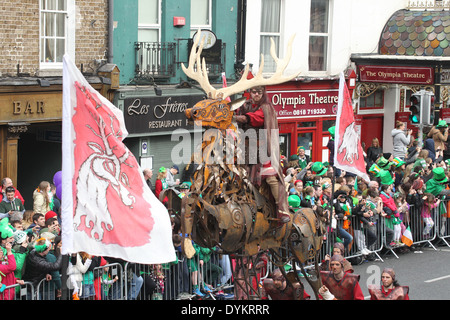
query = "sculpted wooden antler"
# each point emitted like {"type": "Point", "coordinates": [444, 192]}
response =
{"type": "Point", "coordinates": [201, 75]}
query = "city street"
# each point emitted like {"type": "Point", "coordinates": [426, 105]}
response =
{"type": "Point", "coordinates": [426, 271]}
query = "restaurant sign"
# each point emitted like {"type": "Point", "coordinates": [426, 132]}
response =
{"type": "Point", "coordinates": [304, 103]}
{"type": "Point", "coordinates": [394, 74]}
{"type": "Point", "coordinates": [158, 114]}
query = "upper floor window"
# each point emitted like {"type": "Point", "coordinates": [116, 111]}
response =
{"type": "Point", "coordinates": [270, 28]}
{"type": "Point", "coordinates": [200, 15]}
{"type": "Point", "coordinates": [318, 35]}
{"type": "Point", "coordinates": [149, 24]}
{"type": "Point", "coordinates": [53, 32]}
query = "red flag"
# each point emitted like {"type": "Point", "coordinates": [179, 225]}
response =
{"type": "Point", "coordinates": [348, 153]}
{"type": "Point", "coordinates": [224, 84]}
{"type": "Point", "coordinates": [107, 208]}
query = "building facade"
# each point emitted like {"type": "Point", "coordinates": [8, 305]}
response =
{"type": "Point", "coordinates": [34, 37]}
{"type": "Point", "coordinates": [334, 36]}
{"type": "Point", "coordinates": [152, 38]}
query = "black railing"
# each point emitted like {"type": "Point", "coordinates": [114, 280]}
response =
{"type": "Point", "coordinates": [155, 59]}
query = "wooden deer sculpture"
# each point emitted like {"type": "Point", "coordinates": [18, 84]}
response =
{"type": "Point", "coordinates": [223, 207]}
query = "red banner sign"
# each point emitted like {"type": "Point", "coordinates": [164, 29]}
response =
{"type": "Point", "coordinates": [392, 74]}
{"type": "Point", "coordinates": [304, 103]}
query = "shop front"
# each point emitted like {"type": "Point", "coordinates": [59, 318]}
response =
{"type": "Point", "coordinates": [159, 134]}
{"type": "Point", "coordinates": [305, 112]}
{"type": "Point", "coordinates": [383, 93]}
{"type": "Point", "coordinates": [30, 130]}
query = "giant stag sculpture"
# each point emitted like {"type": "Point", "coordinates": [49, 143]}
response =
{"type": "Point", "coordinates": [223, 207]}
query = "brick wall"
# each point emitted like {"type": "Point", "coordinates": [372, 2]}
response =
{"type": "Point", "coordinates": [19, 34]}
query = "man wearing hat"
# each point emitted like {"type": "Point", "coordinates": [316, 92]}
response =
{"type": "Point", "coordinates": [439, 135]}
{"type": "Point", "coordinates": [384, 163]}
{"type": "Point", "coordinates": [340, 285]}
{"type": "Point", "coordinates": [37, 266]}
{"type": "Point", "coordinates": [338, 248]}
{"type": "Point", "coordinates": [389, 288]}
{"type": "Point", "coordinates": [184, 188]}
{"type": "Point", "coordinates": [436, 185]}
{"type": "Point", "coordinates": [171, 182]}
{"type": "Point", "coordinates": [318, 169]}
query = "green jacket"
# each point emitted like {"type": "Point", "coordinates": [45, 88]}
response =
{"type": "Point", "coordinates": [434, 187]}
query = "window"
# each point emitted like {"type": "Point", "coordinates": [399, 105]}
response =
{"type": "Point", "coordinates": [53, 32]}
{"type": "Point", "coordinates": [149, 24]}
{"type": "Point", "coordinates": [318, 35]}
{"type": "Point", "coordinates": [200, 15]}
{"type": "Point", "coordinates": [270, 28]}
{"type": "Point", "coordinates": [374, 101]}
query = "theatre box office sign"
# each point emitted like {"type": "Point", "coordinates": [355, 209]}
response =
{"type": "Point", "coordinates": [295, 104]}
{"type": "Point", "coordinates": [145, 115]}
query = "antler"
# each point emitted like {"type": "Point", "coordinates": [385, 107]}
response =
{"type": "Point", "coordinates": [201, 75]}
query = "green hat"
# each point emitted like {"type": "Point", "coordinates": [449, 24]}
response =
{"type": "Point", "coordinates": [318, 169]}
{"type": "Point", "coordinates": [383, 163]}
{"type": "Point", "coordinates": [162, 169]}
{"type": "Point", "coordinates": [398, 162]}
{"type": "Point", "coordinates": [293, 157]}
{"type": "Point", "coordinates": [370, 204]}
{"type": "Point", "coordinates": [442, 124]}
{"type": "Point", "coordinates": [294, 201]}
{"type": "Point", "coordinates": [6, 230]}
{"type": "Point", "coordinates": [326, 185]}
{"type": "Point", "coordinates": [386, 177]}
{"type": "Point", "coordinates": [439, 175]}
{"type": "Point", "coordinates": [332, 130]}
{"type": "Point", "coordinates": [375, 170]}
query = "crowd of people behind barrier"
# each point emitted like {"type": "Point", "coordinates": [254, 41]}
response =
{"type": "Point", "coordinates": [403, 204]}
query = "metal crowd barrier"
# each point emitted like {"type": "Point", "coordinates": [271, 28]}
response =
{"type": "Point", "coordinates": [178, 280]}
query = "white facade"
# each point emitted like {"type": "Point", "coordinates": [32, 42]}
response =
{"type": "Point", "coordinates": [354, 27]}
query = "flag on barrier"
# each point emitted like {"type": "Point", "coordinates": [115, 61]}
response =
{"type": "Point", "coordinates": [407, 237]}
{"type": "Point", "coordinates": [107, 208]}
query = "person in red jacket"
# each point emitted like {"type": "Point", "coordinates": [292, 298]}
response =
{"type": "Point", "coordinates": [7, 264]}
{"type": "Point", "coordinates": [389, 288]}
{"type": "Point", "coordinates": [259, 113]}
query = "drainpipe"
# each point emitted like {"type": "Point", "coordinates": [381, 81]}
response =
{"type": "Point", "coordinates": [110, 30]}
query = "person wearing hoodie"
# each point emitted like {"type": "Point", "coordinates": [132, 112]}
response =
{"type": "Point", "coordinates": [400, 140]}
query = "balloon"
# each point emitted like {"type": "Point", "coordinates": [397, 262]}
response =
{"type": "Point", "coordinates": [58, 191]}
{"type": "Point", "coordinates": [57, 178]}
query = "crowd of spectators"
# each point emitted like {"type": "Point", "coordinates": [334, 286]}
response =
{"type": "Point", "coordinates": [410, 176]}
